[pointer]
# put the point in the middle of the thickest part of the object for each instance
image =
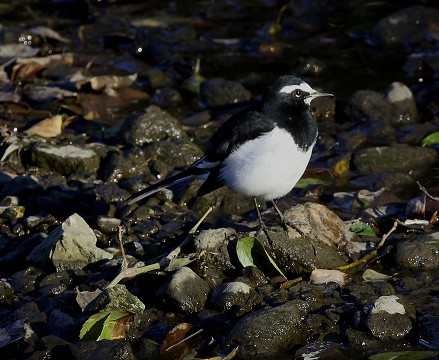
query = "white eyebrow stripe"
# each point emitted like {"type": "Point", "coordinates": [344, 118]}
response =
{"type": "Point", "coordinates": [302, 86]}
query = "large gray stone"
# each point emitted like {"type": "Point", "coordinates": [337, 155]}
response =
{"type": "Point", "coordinates": [65, 159]}
{"type": "Point", "coordinates": [269, 331]}
{"type": "Point", "coordinates": [185, 290]}
{"type": "Point", "coordinates": [72, 245]}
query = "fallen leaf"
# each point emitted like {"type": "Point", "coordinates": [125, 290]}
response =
{"type": "Point", "coordinates": [27, 68]}
{"type": "Point", "coordinates": [49, 33]}
{"type": "Point", "coordinates": [323, 276]}
{"type": "Point", "coordinates": [251, 252]}
{"type": "Point", "coordinates": [361, 228]}
{"type": "Point", "coordinates": [370, 275]}
{"type": "Point", "coordinates": [46, 128]}
{"type": "Point", "coordinates": [176, 335]}
{"type": "Point", "coordinates": [83, 298]}
{"type": "Point", "coordinates": [48, 93]}
{"type": "Point", "coordinates": [107, 325]}
{"type": "Point", "coordinates": [17, 50]}
{"type": "Point", "coordinates": [112, 81]}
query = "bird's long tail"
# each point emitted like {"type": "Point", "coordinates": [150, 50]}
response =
{"type": "Point", "coordinates": [189, 173]}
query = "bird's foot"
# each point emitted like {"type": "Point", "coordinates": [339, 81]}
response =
{"type": "Point", "coordinates": [286, 223]}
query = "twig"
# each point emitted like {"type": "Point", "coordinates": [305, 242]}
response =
{"type": "Point", "coordinates": [372, 253]}
{"type": "Point", "coordinates": [174, 253]}
{"type": "Point", "coordinates": [127, 272]}
{"type": "Point", "coordinates": [426, 193]}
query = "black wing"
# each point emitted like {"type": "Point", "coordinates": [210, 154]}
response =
{"type": "Point", "coordinates": [243, 126]}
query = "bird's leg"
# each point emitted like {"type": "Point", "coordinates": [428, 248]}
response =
{"type": "Point", "coordinates": [285, 222]}
{"type": "Point", "coordinates": [262, 225]}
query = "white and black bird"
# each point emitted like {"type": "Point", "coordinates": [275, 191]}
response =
{"type": "Point", "coordinates": [260, 152]}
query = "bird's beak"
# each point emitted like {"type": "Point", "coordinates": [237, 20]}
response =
{"type": "Point", "coordinates": [317, 94]}
{"type": "Point", "coordinates": [312, 96]}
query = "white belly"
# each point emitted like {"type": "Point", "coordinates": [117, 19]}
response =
{"type": "Point", "coordinates": [267, 167]}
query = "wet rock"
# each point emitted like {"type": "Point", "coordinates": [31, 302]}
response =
{"type": "Point", "coordinates": [325, 234]}
{"type": "Point", "coordinates": [321, 350]}
{"type": "Point", "coordinates": [429, 330]}
{"type": "Point", "coordinates": [388, 319]}
{"type": "Point", "coordinates": [175, 152]}
{"type": "Point", "coordinates": [218, 92]}
{"type": "Point", "coordinates": [167, 97]}
{"type": "Point", "coordinates": [62, 325]}
{"type": "Point", "coordinates": [158, 79]}
{"type": "Point", "coordinates": [110, 193]}
{"type": "Point", "coordinates": [361, 293]}
{"type": "Point", "coordinates": [6, 293]}
{"type": "Point", "coordinates": [421, 253]}
{"type": "Point", "coordinates": [102, 350]}
{"type": "Point", "coordinates": [269, 331]}
{"type": "Point", "coordinates": [216, 242]}
{"type": "Point", "coordinates": [108, 225]}
{"type": "Point", "coordinates": [114, 298]}
{"type": "Point", "coordinates": [25, 187]}
{"type": "Point", "coordinates": [255, 275]}
{"type": "Point", "coordinates": [408, 26]}
{"type": "Point", "coordinates": [33, 221]}
{"type": "Point", "coordinates": [399, 158]}
{"type": "Point", "coordinates": [350, 140]}
{"type": "Point", "coordinates": [234, 295]}
{"type": "Point", "coordinates": [185, 290]}
{"type": "Point", "coordinates": [71, 245]}
{"type": "Point", "coordinates": [147, 349]}
{"type": "Point", "coordinates": [403, 100]}
{"type": "Point", "coordinates": [64, 159]}
{"type": "Point", "coordinates": [55, 283]}
{"type": "Point", "coordinates": [149, 126]}
{"type": "Point", "coordinates": [24, 281]}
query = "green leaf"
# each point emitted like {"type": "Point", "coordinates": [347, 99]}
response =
{"type": "Point", "coordinates": [361, 228]}
{"type": "Point", "coordinates": [404, 355]}
{"type": "Point", "coordinates": [251, 252]}
{"type": "Point", "coordinates": [92, 328]}
{"type": "Point", "coordinates": [432, 139]}
{"type": "Point", "coordinates": [108, 325]}
{"type": "Point", "coordinates": [177, 263]}
{"type": "Point", "coordinates": [374, 276]}
{"type": "Point", "coordinates": [304, 182]}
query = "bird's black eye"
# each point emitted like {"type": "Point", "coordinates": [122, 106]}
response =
{"type": "Point", "coordinates": [298, 93]}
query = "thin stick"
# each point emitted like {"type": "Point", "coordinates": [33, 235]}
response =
{"type": "Point", "coordinates": [372, 253]}
{"type": "Point", "coordinates": [426, 193]}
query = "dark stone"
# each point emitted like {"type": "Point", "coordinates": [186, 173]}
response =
{"type": "Point", "coordinates": [62, 325]}
{"type": "Point", "coordinates": [102, 350]}
{"type": "Point", "coordinates": [218, 92]}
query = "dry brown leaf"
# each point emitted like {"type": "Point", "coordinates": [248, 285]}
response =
{"type": "Point", "coordinates": [27, 68]}
{"type": "Point", "coordinates": [112, 81]}
{"type": "Point", "coordinates": [83, 298]}
{"type": "Point", "coordinates": [49, 127]}
{"type": "Point", "coordinates": [174, 336]}
{"type": "Point", "coordinates": [49, 33]}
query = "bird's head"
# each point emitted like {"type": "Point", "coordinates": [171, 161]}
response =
{"type": "Point", "coordinates": [290, 92]}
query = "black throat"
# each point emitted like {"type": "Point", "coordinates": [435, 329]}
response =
{"type": "Point", "coordinates": [297, 120]}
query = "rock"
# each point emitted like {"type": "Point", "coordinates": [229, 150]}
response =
{"type": "Point", "coordinates": [399, 158]}
{"type": "Point", "coordinates": [65, 159]}
{"type": "Point", "coordinates": [218, 92]}
{"type": "Point", "coordinates": [55, 283]}
{"type": "Point", "coordinates": [388, 319]}
{"type": "Point", "coordinates": [24, 281]}
{"type": "Point", "coordinates": [321, 350]}
{"type": "Point", "coordinates": [108, 225]}
{"type": "Point", "coordinates": [269, 331]}
{"type": "Point", "coordinates": [325, 234]}
{"type": "Point", "coordinates": [429, 330]}
{"type": "Point", "coordinates": [110, 193]}
{"type": "Point", "coordinates": [233, 295]}
{"type": "Point", "coordinates": [158, 79]}
{"type": "Point", "coordinates": [102, 350]}
{"type": "Point", "coordinates": [402, 98]}
{"type": "Point", "coordinates": [6, 293]}
{"type": "Point", "coordinates": [25, 187]}
{"type": "Point", "coordinates": [324, 276]}
{"type": "Point", "coordinates": [150, 125]}
{"type": "Point", "coordinates": [115, 298]}
{"type": "Point", "coordinates": [167, 97]}
{"type": "Point", "coordinates": [71, 245]}
{"type": "Point", "coordinates": [185, 290]}
{"type": "Point", "coordinates": [421, 253]}
{"type": "Point", "coordinates": [216, 242]}
{"type": "Point", "coordinates": [408, 26]}
{"type": "Point", "coordinates": [62, 325]}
